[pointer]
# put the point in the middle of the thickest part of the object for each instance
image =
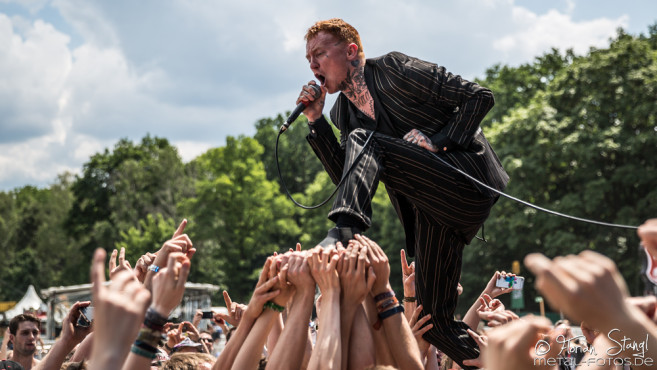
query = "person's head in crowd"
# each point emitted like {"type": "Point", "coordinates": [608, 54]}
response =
{"type": "Point", "coordinates": [187, 346]}
{"type": "Point", "coordinates": [230, 332]}
{"type": "Point", "coordinates": [76, 365]}
{"type": "Point", "coordinates": [10, 365]}
{"type": "Point", "coordinates": [206, 337]}
{"type": "Point", "coordinates": [189, 361]}
{"type": "Point", "coordinates": [24, 332]}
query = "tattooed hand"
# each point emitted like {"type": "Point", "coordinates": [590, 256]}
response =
{"type": "Point", "coordinates": [415, 136]}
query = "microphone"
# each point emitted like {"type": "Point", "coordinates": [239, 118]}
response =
{"type": "Point", "coordinates": [317, 92]}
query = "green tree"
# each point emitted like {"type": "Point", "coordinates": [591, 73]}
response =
{"type": "Point", "coordinates": [584, 146]}
{"type": "Point", "coordinates": [31, 222]}
{"type": "Point", "coordinates": [237, 217]}
{"type": "Point", "coordinates": [117, 189]}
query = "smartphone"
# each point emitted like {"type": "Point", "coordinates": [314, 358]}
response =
{"type": "Point", "coordinates": [208, 315]}
{"type": "Point", "coordinates": [86, 316]}
{"type": "Point", "coordinates": [515, 282]}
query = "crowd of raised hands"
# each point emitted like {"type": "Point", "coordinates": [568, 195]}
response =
{"type": "Point", "coordinates": [360, 322]}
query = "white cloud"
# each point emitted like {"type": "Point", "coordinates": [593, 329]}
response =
{"type": "Point", "coordinates": [534, 34]}
{"type": "Point", "coordinates": [194, 71]}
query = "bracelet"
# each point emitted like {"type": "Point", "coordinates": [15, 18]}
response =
{"type": "Point", "coordinates": [154, 320]}
{"type": "Point", "coordinates": [154, 268]}
{"type": "Point", "coordinates": [395, 310]}
{"type": "Point", "coordinates": [410, 299]}
{"type": "Point", "coordinates": [273, 306]}
{"type": "Point", "coordinates": [385, 295]}
{"type": "Point", "coordinates": [385, 305]}
{"type": "Point", "coordinates": [143, 353]}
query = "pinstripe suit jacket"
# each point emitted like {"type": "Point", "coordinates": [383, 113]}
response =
{"type": "Point", "coordinates": [413, 94]}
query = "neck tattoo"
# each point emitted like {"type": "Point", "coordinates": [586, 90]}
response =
{"type": "Point", "coordinates": [355, 89]}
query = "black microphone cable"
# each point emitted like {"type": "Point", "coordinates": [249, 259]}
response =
{"type": "Point", "coordinates": [344, 176]}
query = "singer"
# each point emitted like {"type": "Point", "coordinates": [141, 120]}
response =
{"type": "Point", "coordinates": [416, 109]}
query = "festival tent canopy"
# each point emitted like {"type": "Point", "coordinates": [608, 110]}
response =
{"type": "Point", "coordinates": [29, 302]}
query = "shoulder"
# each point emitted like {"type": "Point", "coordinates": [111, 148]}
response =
{"type": "Point", "coordinates": [401, 62]}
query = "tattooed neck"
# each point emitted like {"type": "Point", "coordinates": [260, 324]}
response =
{"type": "Point", "coordinates": [354, 86]}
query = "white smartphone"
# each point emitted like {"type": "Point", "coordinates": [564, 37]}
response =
{"type": "Point", "coordinates": [515, 282]}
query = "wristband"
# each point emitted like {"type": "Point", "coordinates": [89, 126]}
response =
{"type": "Point", "coordinates": [153, 268]}
{"type": "Point", "coordinates": [410, 299]}
{"type": "Point", "coordinates": [143, 353]}
{"type": "Point", "coordinates": [385, 295]}
{"type": "Point", "coordinates": [273, 306]}
{"type": "Point", "coordinates": [386, 304]}
{"type": "Point", "coordinates": [154, 320]}
{"type": "Point", "coordinates": [395, 310]}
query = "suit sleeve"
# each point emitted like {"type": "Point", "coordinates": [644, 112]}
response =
{"type": "Point", "coordinates": [427, 83]}
{"type": "Point", "coordinates": [326, 147]}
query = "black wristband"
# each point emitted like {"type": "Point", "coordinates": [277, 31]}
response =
{"type": "Point", "coordinates": [395, 310]}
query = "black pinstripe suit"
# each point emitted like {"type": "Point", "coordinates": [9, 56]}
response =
{"type": "Point", "coordinates": [440, 209]}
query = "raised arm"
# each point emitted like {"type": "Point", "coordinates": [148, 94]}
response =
{"type": "Point", "coordinates": [168, 290]}
{"type": "Point", "coordinates": [261, 295]}
{"type": "Point", "coordinates": [249, 354]}
{"type": "Point", "coordinates": [121, 305]}
{"type": "Point", "coordinates": [295, 332]}
{"type": "Point", "coordinates": [398, 333]}
{"type": "Point", "coordinates": [356, 280]}
{"type": "Point", "coordinates": [471, 318]}
{"type": "Point", "coordinates": [328, 349]}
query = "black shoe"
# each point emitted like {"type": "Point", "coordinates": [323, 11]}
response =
{"type": "Point", "coordinates": [339, 234]}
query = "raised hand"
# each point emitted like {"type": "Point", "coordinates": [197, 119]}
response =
{"type": "Point", "coordinates": [408, 273]}
{"type": "Point", "coordinates": [264, 291]}
{"type": "Point", "coordinates": [419, 328]}
{"type": "Point", "coordinates": [179, 243]}
{"type": "Point", "coordinates": [585, 287]}
{"type": "Point", "coordinates": [235, 311]}
{"type": "Point", "coordinates": [380, 265]}
{"type": "Point", "coordinates": [513, 346]}
{"type": "Point", "coordinates": [356, 279]}
{"type": "Point", "coordinates": [141, 267]}
{"type": "Point", "coordinates": [298, 273]}
{"type": "Point", "coordinates": [123, 265]}
{"type": "Point", "coordinates": [492, 289]}
{"type": "Point", "coordinates": [169, 284]}
{"type": "Point", "coordinates": [323, 269]}
{"type": "Point", "coordinates": [122, 306]}
{"type": "Point", "coordinates": [280, 268]}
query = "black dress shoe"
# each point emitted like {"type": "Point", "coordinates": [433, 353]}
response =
{"type": "Point", "coordinates": [339, 234]}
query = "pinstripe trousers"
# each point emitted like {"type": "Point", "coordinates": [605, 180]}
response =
{"type": "Point", "coordinates": [447, 207]}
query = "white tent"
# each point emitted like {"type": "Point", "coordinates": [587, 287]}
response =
{"type": "Point", "coordinates": [30, 301]}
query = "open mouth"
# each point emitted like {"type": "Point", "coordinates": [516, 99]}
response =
{"type": "Point", "coordinates": [321, 78]}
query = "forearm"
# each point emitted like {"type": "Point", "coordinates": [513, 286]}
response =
{"type": "Point", "coordinates": [381, 350]}
{"type": "Point", "coordinates": [347, 314]}
{"type": "Point", "coordinates": [361, 345]}
{"type": "Point", "coordinates": [249, 355]}
{"type": "Point", "coordinates": [228, 355]}
{"type": "Point", "coordinates": [328, 351]}
{"type": "Point", "coordinates": [274, 336]}
{"type": "Point", "coordinates": [294, 334]}
{"type": "Point", "coordinates": [137, 362]}
{"type": "Point", "coordinates": [401, 342]}
{"type": "Point", "coordinates": [56, 356]}
{"type": "Point", "coordinates": [471, 317]}
{"type": "Point", "coordinates": [83, 352]}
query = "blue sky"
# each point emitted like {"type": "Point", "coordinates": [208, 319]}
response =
{"type": "Point", "coordinates": [77, 75]}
